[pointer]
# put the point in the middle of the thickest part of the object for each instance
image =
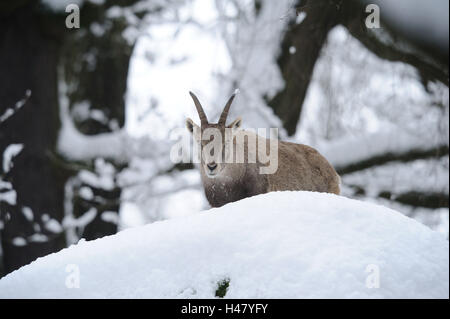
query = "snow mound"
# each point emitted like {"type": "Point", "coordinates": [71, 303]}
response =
{"type": "Point", "coordinates": [276, 245]}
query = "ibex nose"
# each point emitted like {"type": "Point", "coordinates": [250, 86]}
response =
{"type": "Point", "coordinates": [212, 166]}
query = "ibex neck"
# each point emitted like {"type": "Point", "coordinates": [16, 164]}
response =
{"type": "Point", "coordinates": [224, 188]}
{"type": "Point", "coordinates": [241, 183]}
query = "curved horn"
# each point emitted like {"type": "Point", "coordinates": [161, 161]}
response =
{"type": "Point", "coordinates": [198, 106]}
{"type": "Point", "coordinates": [223, 116]}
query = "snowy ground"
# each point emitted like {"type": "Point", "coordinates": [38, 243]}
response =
{"type": "Point", "coordinates": [284, 244]}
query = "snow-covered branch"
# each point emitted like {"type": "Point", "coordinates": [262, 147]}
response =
{"type": "Point", "coordinates": [12, 110]}
{"type": "Point", "coordinates": [358, 152]}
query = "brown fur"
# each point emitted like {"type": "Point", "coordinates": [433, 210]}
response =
{"type": "Point", "coordinates": [300, 167]}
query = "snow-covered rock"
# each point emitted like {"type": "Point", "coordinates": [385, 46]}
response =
{"type": "Point", "coordinates": [284, 244]}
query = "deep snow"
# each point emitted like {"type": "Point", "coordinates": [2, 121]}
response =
{"type": "Point", "coordinates": [283, 244]}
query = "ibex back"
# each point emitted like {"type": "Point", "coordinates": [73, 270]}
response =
{"type": "Point", "coordinates": [299, 167]}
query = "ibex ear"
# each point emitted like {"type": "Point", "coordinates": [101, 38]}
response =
{"type": "Point", "coordinates": [190, 125]}
{"type": "Point", "coordinates": [235, 124]}
{"type": "Point", "coordinates": [194, 129]}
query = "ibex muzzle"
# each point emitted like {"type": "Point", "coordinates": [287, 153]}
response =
{"type": "Point", "coordinates": [299, 167]}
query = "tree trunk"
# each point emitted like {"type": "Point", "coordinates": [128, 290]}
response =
{"type": "Point", "coordinates": [28, 59]}
{"type": "Point", "coordinates": [297, 67]}
{"type": "Point", "coordinates": [35, 46]}
{"type": "Point", "coordinates": [310, 35]}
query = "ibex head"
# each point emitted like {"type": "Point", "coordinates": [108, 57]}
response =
{"type": "Point", "coordinates": [212, 162]}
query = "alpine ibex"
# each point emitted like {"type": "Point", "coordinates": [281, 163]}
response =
{"type": "Point", "coordinates": [300, 167]}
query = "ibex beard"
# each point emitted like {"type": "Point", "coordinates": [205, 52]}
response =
{"type": "Point", "coordinates": [236, 163]}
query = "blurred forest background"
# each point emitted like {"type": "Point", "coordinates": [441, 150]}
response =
{"type": "Point", "coordinates": [88, 116]}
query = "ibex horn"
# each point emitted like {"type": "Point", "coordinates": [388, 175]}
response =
{"type": "Point", "coordinates": [201, 113]}
{"type": "Point", "coordinates": [223, 116]}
